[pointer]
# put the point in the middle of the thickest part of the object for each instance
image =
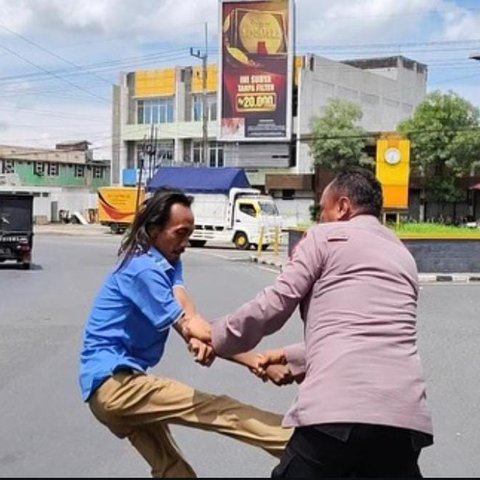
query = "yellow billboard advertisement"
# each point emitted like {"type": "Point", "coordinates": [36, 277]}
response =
{"type": "Point", "coordinates": [154, 83]}
{"type": "Point", "coordinates": [212, 79]}
{"type": "Point", "coordinates": [255, 69]}
{"type": "Point", "coordinates": [393, 170]}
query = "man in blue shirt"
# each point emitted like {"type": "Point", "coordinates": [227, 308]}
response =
{"type": "Point", "coordinates": [141, 300]}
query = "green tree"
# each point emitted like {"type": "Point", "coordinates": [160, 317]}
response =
{"type": "Point", "coordinates": [445, 137]}
{"type": "Point", "coordinates": [338, 140]}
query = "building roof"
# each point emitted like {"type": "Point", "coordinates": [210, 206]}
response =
{"type": "Point", "coordinates": [81, 145]}
{"type": "Point", "coordinates": [386, 62]}
{"type": "Point", "coordinates": [30, 154]}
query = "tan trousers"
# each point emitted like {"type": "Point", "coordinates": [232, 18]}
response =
{"type": "Point", "coordinates": [140, 407]}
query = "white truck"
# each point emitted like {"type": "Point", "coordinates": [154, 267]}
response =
{"type": "Point", "coordinates": [226, 208]}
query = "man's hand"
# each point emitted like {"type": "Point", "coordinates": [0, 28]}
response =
{"type": "Point", "coordinates": [279, 374]}
{"type": "Point", "coordinates": [197, 327]}
{"type": "Point", "coordinates": [271, 357]}
{"type": "Point", "coordinates": [203, 353]}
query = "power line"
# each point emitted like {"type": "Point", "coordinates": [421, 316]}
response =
{"type": "Point", "coordinates": [389, 15]}
{"type": "Point", "coordinates": [52, 74]}
{"type": "Point", "coordinates": [40, 47]}
{"type": "Point", "coordinates": [100, 66]}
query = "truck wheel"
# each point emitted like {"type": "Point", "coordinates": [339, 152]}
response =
{"type": "Point", "coordinates": [26, 266]}
{"type": "Point", "coordinates": [197, 243]}
{"type": "Point", "coordinates": [241, 241]}
{"type": "Point", "coordinates": [115, 228]}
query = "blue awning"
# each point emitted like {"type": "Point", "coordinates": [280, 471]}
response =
{"type": "Point", "coordinates": [207, 180]}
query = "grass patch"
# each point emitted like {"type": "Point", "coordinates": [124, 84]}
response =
{"type": "Point", "coordinates": [434, 230]}
{"type": "Point", "coordinates": [425, 230]}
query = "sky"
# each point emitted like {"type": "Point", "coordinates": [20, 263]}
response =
{"type": "Point", "coordinates": [60, 58]}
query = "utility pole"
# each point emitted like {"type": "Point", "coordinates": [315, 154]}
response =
{"type": "Point", "coordinates": [150, 148]}
{"type": "Point", "coordinates": [140, 165]}
{"type": "Point", "coordinates": [204, 59]}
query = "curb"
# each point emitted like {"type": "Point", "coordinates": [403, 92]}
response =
{"type": "Point", "coordinates": [458, 278]}
{"type": "Point", "coordinates": [71, 232]}
{"type": "Point", "coordinates": [277, 264]}
{"type": "Point", "coordinates": [424, 278]}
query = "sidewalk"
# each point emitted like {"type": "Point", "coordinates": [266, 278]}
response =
{"type": "Point", "coordinates": [72, 229]}
{"type": "Point", "coordinates": [277, 261]}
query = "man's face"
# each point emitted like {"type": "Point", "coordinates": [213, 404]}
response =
{"type": "Point", "coordinates": [333, 207]}
{"type": "Point", "coordinates": [173, 239]}
{"type": "Point", "coordinates": [328, 206]}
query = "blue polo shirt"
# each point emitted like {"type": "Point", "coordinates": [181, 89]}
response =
{"type": "Point", "coordinates": [130, 319]}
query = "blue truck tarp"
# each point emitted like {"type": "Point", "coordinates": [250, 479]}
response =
{"type": "Point", "coordinates": [199, 180]}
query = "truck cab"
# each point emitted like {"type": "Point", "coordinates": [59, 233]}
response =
{"type": "Point", "coordinates": [255, 216]}
{"type": "Point", "coordinates": [16, 228]}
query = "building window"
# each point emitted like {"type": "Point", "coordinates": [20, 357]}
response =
{"type": "Point", "coordinates": [79, 170]}
{"type": "Point", "coordinates": [214, 154]}
{"type": "Point", "coordinates": [8, 166]}
{"type": "Point", "coordinates": [164, 152]}
{"type": "Point", "coordinates": [157, 110]}
{"type": "Point", "coordinates": [215, 150]}
{"type": "Point", "coordinates": [197, 106]}
{"type": "Point", "coordinates": [39, 168]}
{"type": "Point", "coordinates": [53, 169]}
{"type": "Point", "coordinates": [155, 155]}
{"type": "Point", "coordinates": [197, 152]}
{"type": "Point", "coordinates": [98, 172]}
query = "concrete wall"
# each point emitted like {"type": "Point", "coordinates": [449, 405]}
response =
{"type": "Point", "coordinates": [42, 212]}
{"type": "Point", "coordinates": [431, 256]}
{"type": "Point", "coordinates": [386, 96]}
{"type": "Point", "coordinates": [445, 256]}
{"type": "Point", "coordinates": [385, 101]}
{"type": "Point", "coordinates": [47, 205]}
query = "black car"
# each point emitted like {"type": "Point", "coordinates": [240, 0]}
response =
{"type": "Point", "coordinates": [16, 228]}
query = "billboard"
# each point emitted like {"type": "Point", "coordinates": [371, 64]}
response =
{"type": "Point", "coordinates": [393, 170]}
{"type": "Point", "coordinates": [255, 75]}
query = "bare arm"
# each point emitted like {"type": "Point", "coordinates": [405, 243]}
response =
{"type": "Point", "coordinates": [184, 300]}
{"type": "Point", "coordinates": [202, 352]}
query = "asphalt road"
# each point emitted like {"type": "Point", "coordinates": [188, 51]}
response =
{"type": "Point", "coordinates": [46, 430]}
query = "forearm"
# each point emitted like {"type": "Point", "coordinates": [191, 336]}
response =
{"type": "Point", "coordinates": [180, 327]}
{"type": "Point", "coordinates": [189, 310]}
{"type": "Point", "coordinates": [248, 359]}
{"type": "Point", "coordinates": [243, 330]}
{"type": "Point", "coordinates": [184, 300]}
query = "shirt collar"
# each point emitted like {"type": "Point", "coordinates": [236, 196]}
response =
{"type": "Point", "coordinates": [159, 258]}
{"type": "Point", "coordinates": [364, 219]}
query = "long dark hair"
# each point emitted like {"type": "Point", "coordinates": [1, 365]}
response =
{"type": "Point", "coordinates": [155, 211]}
